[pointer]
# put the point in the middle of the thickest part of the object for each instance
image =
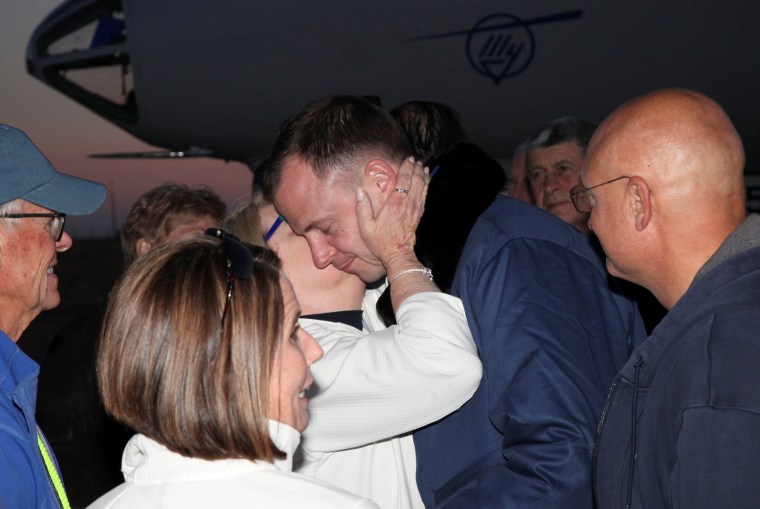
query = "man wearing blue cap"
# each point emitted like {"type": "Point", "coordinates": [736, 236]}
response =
{"type": "Point", "coordinates": [34, 202]}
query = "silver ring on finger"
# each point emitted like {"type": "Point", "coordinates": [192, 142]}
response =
{"type": "Point", "coordinates": [401, 190]}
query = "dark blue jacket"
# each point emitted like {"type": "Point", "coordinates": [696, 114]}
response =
{"type": "Point", "coordinates": [696, 383]}
{"type": "Point", "coordinates": [551, 336]}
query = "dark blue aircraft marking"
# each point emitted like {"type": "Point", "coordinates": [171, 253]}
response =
{"type": "Point", "coordinates": [501, 46]}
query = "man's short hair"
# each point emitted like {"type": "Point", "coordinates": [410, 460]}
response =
{"type": "Point", "coordinates": [562, 130]}
{"type": "Point", "coordinates": [430, 126]}
{"type": "Point", "coordinates": [156, 213]}
{"type": "Point", "coordinates": [335, 135]}
{"type": "Point", "coordinates": [167, 370]}
{"type": "Point", "coordinates": [10, 207]}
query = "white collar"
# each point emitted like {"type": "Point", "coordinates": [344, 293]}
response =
{"type": "Point", "coordinates": [146, 461]}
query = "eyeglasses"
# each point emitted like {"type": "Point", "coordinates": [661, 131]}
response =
{"type": "Point", "coordinates": [238, 262]}
{"type": "Point", "coordinates": [55, 226]}
{"type": "Point", "coordinates": [273, 228]}
{"type": "Point", "coordinates": [583, 199]}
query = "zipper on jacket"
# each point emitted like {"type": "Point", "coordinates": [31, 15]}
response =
{"type": "Point", "coordinates": [634, 405]}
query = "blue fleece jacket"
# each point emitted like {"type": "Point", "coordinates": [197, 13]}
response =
{"type": "Point", "coordinates": [24, 481]}
{"type": "Point", "coordinates": [694, 389]}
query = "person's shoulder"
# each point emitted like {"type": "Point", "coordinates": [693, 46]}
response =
{"type": "Point", "coordinates": [291, 489]}
{"type": "Point", "coordinates": [331, 334]}
{"type": "Point", "coordinates": [508, 223]}
{"type": "Point", "coordinates": [515, 219]}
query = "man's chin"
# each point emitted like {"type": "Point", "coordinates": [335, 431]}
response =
{"type": "Point", "coordinates": [564, 211]}
{"type": "Point", "coordinates": [613, 270]}
{"type": "Point", "coordinates": [366, 272]}
{"type": "Point", "coordinates": [51, 301]}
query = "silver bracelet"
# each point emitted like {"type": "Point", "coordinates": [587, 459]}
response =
{"type": "Point", "coordinates": [427, 272]}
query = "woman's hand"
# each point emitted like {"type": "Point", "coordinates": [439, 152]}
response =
{"type": "Point", "coordinates": [390, 233]}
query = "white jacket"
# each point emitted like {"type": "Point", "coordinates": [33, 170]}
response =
{"type": "Point", "coordinates": [157, 477]}
{"type": "Point", "coordinates": [375, 389]}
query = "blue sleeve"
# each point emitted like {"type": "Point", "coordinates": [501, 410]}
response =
{"type": "Point", "coordinates": [551, 339]}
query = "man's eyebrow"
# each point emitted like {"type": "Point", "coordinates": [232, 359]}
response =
{"type": "Point", "coordinates": [316, 225]}
{"type": "Point", "coordinates": [294, 227]}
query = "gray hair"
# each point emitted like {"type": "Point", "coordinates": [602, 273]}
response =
{"type": "Point", "coordinates": [10, 207]}
{"type": "Point", "coordinates": [562, 130]}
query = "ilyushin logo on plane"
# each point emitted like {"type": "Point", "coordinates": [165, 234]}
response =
{"type": "Point", "coordinates": [501, 46]}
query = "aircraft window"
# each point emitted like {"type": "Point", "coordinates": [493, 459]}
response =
{"type": "Point", "coordinates": [103, 31]}
{"type": "Point", "coordinates": [112, 82]}
{"type": "Point", "coordinates": [84, 54]}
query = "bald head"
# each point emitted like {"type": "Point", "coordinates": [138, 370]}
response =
{"type": "Point", "coordinates": [685, 193]}
{"type": "Point", "coordinates": [682, 140]}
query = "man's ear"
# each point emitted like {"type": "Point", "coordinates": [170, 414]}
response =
{"type": "Point", "coordinates": [639, 198]}
{"type": "Point", "coordinates": [143, 246]}
{"type": "Point", "coordinates": [379, 178]}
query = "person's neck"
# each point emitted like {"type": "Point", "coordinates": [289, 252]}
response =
{"type": "Point", "coordinates": [333, 299]}
{"type": "Point", "coordinates": [684, 260]}
{"type": "Point", "coordinates": [14, 326]}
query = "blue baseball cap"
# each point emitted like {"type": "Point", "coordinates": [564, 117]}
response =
{"type": "Point", "coordinates": [26, 173]}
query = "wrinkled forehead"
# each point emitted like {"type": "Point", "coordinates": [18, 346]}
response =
{"type": "Point", "coordinates": [566, 151]}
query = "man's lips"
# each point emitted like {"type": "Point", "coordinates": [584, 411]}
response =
{"type": "Point", "coordinates": [556, 204]}
{"type": "Point", "coordinates": [344, 265]}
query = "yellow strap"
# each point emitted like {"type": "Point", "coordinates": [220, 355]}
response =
{"type": "Point", "coordinates": [53, 472]}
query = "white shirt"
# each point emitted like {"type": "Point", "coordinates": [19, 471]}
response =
{"type": "Point", "coordinates": [158, 477]}
{"type": "Point", "coordinates": [375, 389]}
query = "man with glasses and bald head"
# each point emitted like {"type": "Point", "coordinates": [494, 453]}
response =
{"type": "Point", "coordinates": [34, 201]}
{"type": "Point", "coordinates": [664, 187]}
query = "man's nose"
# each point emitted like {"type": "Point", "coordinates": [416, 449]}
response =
{"type": "Point", "coordinates": [322, 252]}
{"type": "Point", "coordinates": [65, 243]}
{"type": "Point", "coordinates": [551, 182]}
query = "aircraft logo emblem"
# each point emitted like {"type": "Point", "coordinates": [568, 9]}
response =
{"type": "Point", "coordinates": [501, 46]}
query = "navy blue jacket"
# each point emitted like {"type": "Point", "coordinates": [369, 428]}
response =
{"type": "Point", "coordinates": [551, 336]}
{"type": "Point", "coordinates": [697, 404]}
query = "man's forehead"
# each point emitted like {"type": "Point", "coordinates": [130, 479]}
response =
{"type": "Point", "coordinates": [558, 150]}
{"type": "Point", "coordinates": [33, 208]}
{"type": "Point", "coordinates": [304, 199]}
{"type": "Point", "coordinates": [296, 178]}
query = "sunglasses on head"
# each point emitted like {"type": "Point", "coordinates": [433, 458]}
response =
{"type": "Point", "coordinates": [238, 261]}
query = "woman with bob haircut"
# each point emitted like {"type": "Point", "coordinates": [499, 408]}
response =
{"type": "Point", "coordinates": [201, 353]}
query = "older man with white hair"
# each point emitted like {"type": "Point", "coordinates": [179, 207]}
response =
{"type": "Point", "coordinates": [34, 202]}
